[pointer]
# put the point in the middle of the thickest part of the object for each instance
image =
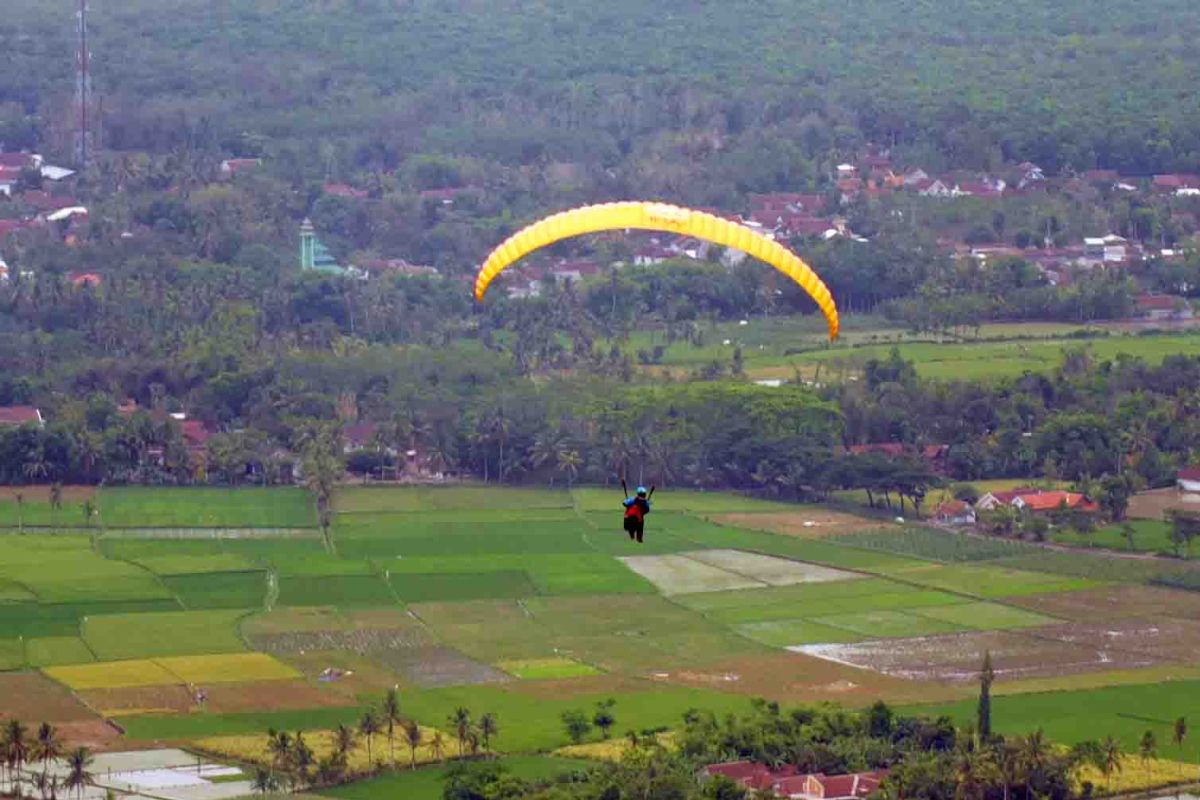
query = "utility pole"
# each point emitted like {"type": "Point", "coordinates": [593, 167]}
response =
{"type": "Point", "coordinates": [83, 91]}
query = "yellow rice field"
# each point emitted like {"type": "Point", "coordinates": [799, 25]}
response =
{"type": "Point", "coordinates": [112, 674]}
{"type": "Point", "coordinates": [1136, 775]}
{"type": "Point", "coordinates": [253, 748]}
{"type": "Point", "coordinates": [228, 668]}
{"type": "Point", "coordinates": [198, 670]}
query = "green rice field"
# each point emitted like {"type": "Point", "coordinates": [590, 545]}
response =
{"type": "Point", "coordinates": [518, 603]}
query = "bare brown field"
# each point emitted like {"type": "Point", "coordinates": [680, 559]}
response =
{"type": "Point", "coordinates": [1163, 640]}
{"type": "Point", "coordinates": [30, 696]}
{"type": "Point", "coordinates": [434, 666]}
{"type": "Point", "coordinates": [811, 523]}
{"type": "Point", "coordinates": [41, 494]}
{"type": "Point", "coordinates": [799, 678]}
{"type": "Point", "coordinates": [96, 735]}
{"type": "Point", "coordinates": [270, 696]}
{"type": "Point", "coordinates": [359, 640]}
{"type": "Point", "coordinates": [1114, 602]}
{"type": "Point", "coordinates": [360, 675]}
{"type": "Point", "coordinates": [139, 700]}
{"type": "Point", "coordinates": [1152, 504]}
{"type": "Point", "coordinates": [956, 657]}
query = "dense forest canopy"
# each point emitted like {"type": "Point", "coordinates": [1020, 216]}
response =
{"type": "Point", "coordinates": [769, 83]}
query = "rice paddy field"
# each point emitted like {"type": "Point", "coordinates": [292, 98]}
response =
{"type": "Point", "coordinates": [790, 347]}
{"type": "Point", "coordinates": [529, 603]}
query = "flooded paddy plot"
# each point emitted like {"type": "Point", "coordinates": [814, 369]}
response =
{"type": "Point", "coordinates": [721, 570]}
{"type": "Point", "coordinates": [956, 657]}
{"type": "Point", "coordinates": [1166, 639]}
{"type": "Point", "coordinates": [434, 666]}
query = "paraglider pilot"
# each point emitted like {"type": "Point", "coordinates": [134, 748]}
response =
{"type": "Point", "coordinates": [636, 509]}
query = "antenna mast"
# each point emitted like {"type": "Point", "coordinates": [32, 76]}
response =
{"type": "Point", "coordinates": [83, 91]}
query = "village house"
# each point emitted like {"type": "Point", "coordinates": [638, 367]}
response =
{"type": "Point", "coordinates": [993, 500]}
{"type": "Point", "coordinates": [1047, 502]}
{"type": "Point", "coordinates": [344, 190]}
{"type": "Point", "coordinates": [790, 783]}
{"type": "Point", "coordinates": [574, 271]}
{"type": "Point", "coordinates": [232, 166]}
{"type": "Point", "coordinates": [16, 416]}
{"type": "Point", "coordinates": [1163, 307]}
{"type": "Point", "coordinates": [955, 512]}
{"type": "Point", "coordinates": [1188, 480]}
{"type": "Point", "coordinates": [933, 187]}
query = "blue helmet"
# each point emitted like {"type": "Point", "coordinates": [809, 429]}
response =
{"type": "Point", "coordinates": [641, 490]}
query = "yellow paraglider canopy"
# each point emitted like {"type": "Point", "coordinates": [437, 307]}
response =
{"type": "Point", "coordinates": [658, 217]}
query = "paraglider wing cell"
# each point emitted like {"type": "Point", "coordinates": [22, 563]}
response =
{"type": "Point", "coordinates": [658, 217]}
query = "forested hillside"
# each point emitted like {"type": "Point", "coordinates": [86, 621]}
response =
{"type": "Point", "coordinates": [756, 90]}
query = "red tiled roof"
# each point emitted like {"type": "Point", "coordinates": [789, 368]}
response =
{"type": "Point", "coordinates": [359, 434]}
{"type": "Point", "coordinates": [44, 201]}
{"type": "Point", "coordinates": [19, 415]}
{"type": "Point", "coordinates": [195, 432]}
{"type": "Point", "coordinates": [739, 771]}
{"type": "Point", "coordinates": [1048, 501]}
{"type": "Point", "coordinates": [1176, 181]}
{"type": "Point", "coordinates": [81, 279]}
{"type": "Point", "coordinates": [1156, 302]}
{"type": "Point", "coordinates": [344, 190]}
{"type": "Point", "coordinates": [952, 508]}
{"type": "Point", "coordinates": [17, 161]}
{"type": "Point", "coordinates": [1189, 474]}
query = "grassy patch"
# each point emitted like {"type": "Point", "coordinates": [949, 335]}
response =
{"type": "Point", "coordinates": [172, 727]}
{"type": "Point", "coordinates": [219, 589]}
{"type": "Point", "coordinates": [64, 619]}
{"type": "Point", "coordinates": [790, 632]}
{"type": "Point", "coordinates": [52, 650]}
{"type": "Point", "coordinates": [991, 581]}
{"type": "Point", "coordinates": [205, 507]}
{"type": "Point", "coordinates": [985, 616]}
{"type": "Point", "coordinates": [334, 590]}
{"type": "Point", "coordinates": [427, 783]}
{"type": "Point", "coordinates": [934, 545]}
{"type": "Point", "coordinates": [112, 674]}
{"type": "Point", "coordinates": [888, 624]}
{"type": "Point", "coordinates": [546, 668]}
{"type": "Point", "coordinates": [195, 564]}
{"type": "Point", "coordinates": [1070, 717]}
{"type": "Point", "coordinates": [1149, 536]}
{"type": "Point", "coordinates": [12, 654]}
{"type": "Point", "coordinates": [462, 586]}
{"type": "Point", "coordinates": [609, 499]}
{"type": "Point", "coordinates": [128, 636]}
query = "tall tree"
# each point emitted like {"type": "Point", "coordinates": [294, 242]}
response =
{"type": "Point", "coordinates": [369, 726]}
{"type": "Point", "coordinates": [460, 721]}
{"type": "Point", "coordinates": [391, 717]}
{"type": "Point", "coordinates": [412, 733]}
{"type": "Point", "coordinates": [984, 711]}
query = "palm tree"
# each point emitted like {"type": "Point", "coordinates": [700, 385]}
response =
{"type": "Point", "coordinates": [460, 720]}
{"type": "Point", "coordinates": [1034, 752]}
{"type": "Point", "coordinates": [56, 494]}
{"type": "Point", "coordinates": [264, 781]}
{"type": "Point", "coordinates": [488, 728]}
{"type": "Point", "coordinates": [368, 726]}
{"type": "Point", "coordinates": [1148, 749]}
{"type": "Point", "coordinates": [20, 498]}
{"type": "Point", "coordinates": [280, 746]}
{"type": "Point", "coordinates": [78, 762]}
{"type": "Point", "coordinates": [302, 757]}
{"type": "Point", "coordinates": [438, 745]}
{"type": "Point", "coordinates": [412, 732]}
{"type": "Point", "coordinates": [16, 749]}
{"type": "Point", "coordinates": [343, 742]}
{"type": "Point", "coordinates": [1111, 759]}
{"type": "Point", "coordinates": [47, 747]}
{"type": "Point", "coordinates": [1178, 733]}
{"type": "Point", "coordinates": [391, 716]}
{"type": "Point", "coordinates": [569, 461]}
